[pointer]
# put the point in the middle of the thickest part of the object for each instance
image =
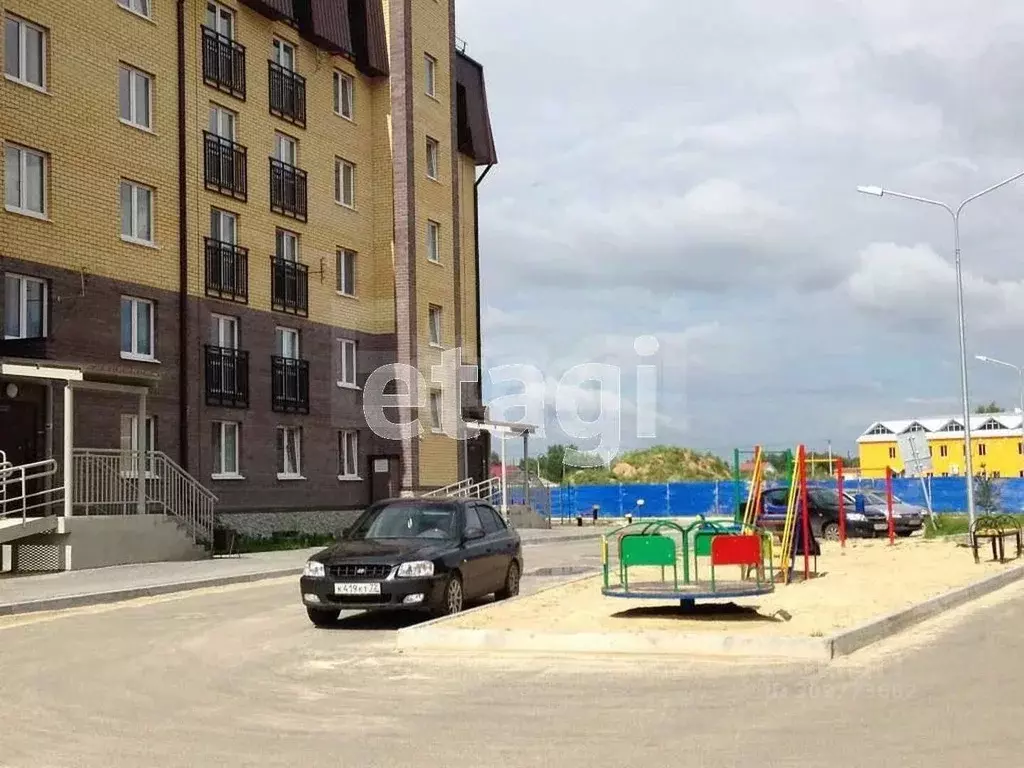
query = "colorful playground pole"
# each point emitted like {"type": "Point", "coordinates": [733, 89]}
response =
{"type": "Point", "coordinates": [802, 458]}
{"type": "Point", "coordinates": [737, 516]}
{"type": "Point", "coordinates": [842, 502]}
{"type": "Point", "coordinates": [888, 502]}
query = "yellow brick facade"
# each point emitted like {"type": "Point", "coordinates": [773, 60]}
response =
{"type": "Point", "coordinates": [76, 125]}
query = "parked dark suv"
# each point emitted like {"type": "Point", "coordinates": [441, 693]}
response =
{"type": "Point", "coordinates": [419, 553]}
{"type": "Point", "coordinates": [823, 512]}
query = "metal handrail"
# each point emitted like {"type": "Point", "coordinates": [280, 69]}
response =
{"type": "Point", "coordinates": [449, 490]}
{"type": "Point", "coordinates": [21, 479]}
{"type": "Point", "coordinates": [106, 482]}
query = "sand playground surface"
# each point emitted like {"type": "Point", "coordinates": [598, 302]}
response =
{"type": "Point", "coordinates": [867, 580]}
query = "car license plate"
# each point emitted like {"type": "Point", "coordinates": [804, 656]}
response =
{"type": "Point", "coordinates": [356, 588]}
{"type": "Point", "coordinates": [881, 526]}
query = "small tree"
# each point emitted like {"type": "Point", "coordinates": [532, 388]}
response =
{"type": "Point", "coordinates": [986, 492]}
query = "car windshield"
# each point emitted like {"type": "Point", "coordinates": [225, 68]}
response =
{"type": "Point", "coordinates": [406, 521]}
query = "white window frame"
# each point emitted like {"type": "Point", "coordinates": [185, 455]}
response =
{"type": "Point", "coordinates": [219, 11]}
{"type": "Point", "coordinates": [19, 77]}
{"type": "Point", "coordinates": [136, 7]}
{"type": "Point", "coordinates": [344, 195]}
{"type": "Point", "coordinates": [23, 282]}
{"type": "Point", "coordinates": [430, 75]}
{"type": "Point", "coordinates": [436, 404]}
{"type": "Point", "coordinates": [433, 151]}
{"type": "Point", "coordinates": [224, 330]}
{"type": "Point", "coordinates": [217, 232]}
{"type": "Point", "coordinates": [279, 46]}
{"type": "Point", "coordinates": [286, 245]}
{"type": "Point", "coordinates": [133, 353]}
{"type": "Point", "coordinates": [343, 259]}
{"type": "Point", "coordinates": [280, 334]}
{"type": "Point", "coordinates": [283, 140]}
{"type": "Point", "coordinates": [343, 107]}
{"type": "Point", "coordinates": [291, 434]}
{"type": "Point", "coordinates": [433, 241]}
{"type": "Point", "coordinates": [435, 327]}
{"type": "Point", "coordinates": [220, 471]}
{"type": "Point", "coordinates": [348, 374]}
{"type": "Point", "coordinates": [135, 188]}
{"type": "Point", "coordinates": [218, 116]}
{"type": "Point", "coordinates": [348, 454]}
{"type": "Point", "coordinates": [23, 154]}
{"type": "Point", "coordinates": [135, 74]}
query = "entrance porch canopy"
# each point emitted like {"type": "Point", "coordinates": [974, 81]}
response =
{"type": "Point", "coordinates": [96, 377]}
{"type": "Point", "coordinates": [504, 429]}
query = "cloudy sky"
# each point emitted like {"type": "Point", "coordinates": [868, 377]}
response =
{"type": "Point", "coordinates": [689, 170]}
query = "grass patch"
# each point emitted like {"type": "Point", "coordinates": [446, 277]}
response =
{"type": "Point", "coordinates": [955, 525]}
{"type": "Point", "coordinates": [281, 541]}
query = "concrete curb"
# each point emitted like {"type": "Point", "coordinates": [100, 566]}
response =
{"type": "Point", "coordinates": [132, 593]}
{"type": "Point", "coordinates": [433, 636]}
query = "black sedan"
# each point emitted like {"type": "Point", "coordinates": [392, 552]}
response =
{"type": "Point", "coordinates": [419, 553]}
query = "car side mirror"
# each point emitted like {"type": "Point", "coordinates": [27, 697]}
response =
{"type": "Point", "coordinates": [473, 533]}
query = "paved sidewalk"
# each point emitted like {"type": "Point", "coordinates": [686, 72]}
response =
{"type": "Point", "coordinates": [59, 591]}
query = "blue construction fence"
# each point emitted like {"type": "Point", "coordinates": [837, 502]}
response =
{"type": "Point", "coordinates": [719, 497]}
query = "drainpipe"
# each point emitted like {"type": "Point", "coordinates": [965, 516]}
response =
{"type": "Point", "coordinates": [479, 340]}
{"type": "Point", "coordinates": [183, 351]}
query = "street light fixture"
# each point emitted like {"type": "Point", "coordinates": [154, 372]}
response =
{"type": "Point", "coordinates": [1020, 378]}
{"type": "Point", "coordinates": [955, 215]}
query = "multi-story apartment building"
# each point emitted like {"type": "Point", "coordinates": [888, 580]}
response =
{"type": "Point", "coordinates": [238, 209]}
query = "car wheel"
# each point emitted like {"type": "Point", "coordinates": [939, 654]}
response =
{"type": "Point", "coordinates": [511, 588]}
{"type": "Point", "coordinates": [451, 598]}
{"type": "Point", "coordinates": [321, 618]}
{"type": "Point", "coordinates": [830, 531]}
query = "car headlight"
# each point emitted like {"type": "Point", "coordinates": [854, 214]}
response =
{"type": "Point", "coordinates": [856, 517]}
{"type": "Point", "coordinates": [416, 569]}
{"type": "Point", "coordinates": [314, 569]}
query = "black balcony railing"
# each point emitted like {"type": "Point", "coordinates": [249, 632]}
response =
{"type": "Point", "coordinates": [227, 271]}
{"type": "Point", "coordinates": [227, 377]}
{"type": "Point", "coordinates": [223, 63]}
{"type": "Point", "coordinates": [289, 286]}
{"type": "Point", "coordinates": [225, 166]}
{"type": "Point", "coordinates": [287, 190]}
{"type": "Point", "coordinates": [287, 94]}
{"type": "Point", "coordinates": [290, 390]}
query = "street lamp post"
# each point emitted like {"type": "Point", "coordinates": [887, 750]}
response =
{"type": "Point", "coordinates": [1020, 381]}
{"type": "Point", "coordinates": [955, 215]}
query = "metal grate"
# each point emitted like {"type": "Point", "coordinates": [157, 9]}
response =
{"type": "Point", "coordinates": [359, 571]}
{"type": "Point", "coordinates": [39, 557]}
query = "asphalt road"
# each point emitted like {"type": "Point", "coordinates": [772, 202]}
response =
{"type": "Point", "coordinates": [238, 677]}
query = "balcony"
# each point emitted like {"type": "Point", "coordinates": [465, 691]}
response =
{"type": "Point", "coordinates": [290, 391]}
{"type": "Point", "coordinates": [227, 271]}
{"type": "Point", "coordinates": [225, 166]}
{"type": "Point", "coordinates": [223, 63]}
{"type": "Point", "coordinates": [287, 190]}
{"type": "Point", "coordinates": [287, 94]}
{"type": "Point", "coordinates": [289, 286]}
{"type": "Point", "coordinates": [35, 348]}
{"type": "Point", "coordinates": [227, 377]}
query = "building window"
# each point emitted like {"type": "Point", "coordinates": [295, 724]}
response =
{"type": "Point", "coordinates": [24, 307]}
{"type": "Point", "coordinates": [222, 122]}
{"type": "Point", "coordinates": [348, 454]}
{"type": "Point", "coordinates": [943, 450]}
{"type": "Point", "coordinates": [430, 74]}
{"type": "Point", "coordinates": [224, 331]}
{"type": "Point", "coordinates": [25, 52]}
{"type": "Point", "coordinates": [344, 95]}
{"type": "Point", "coordinates": [286, 149]}
{"type": "Point", "coordinates": [139, 7]}
{"type": "Point", "coordinates": [225, 449]}
{"type": "Point", "coordinates": [135, 93]}
{"type": "Point", "coordinates": [344, 183]}
{"type": "Point", "coordinates": [287, 340]}
{"type": "Point", "coordinates": [434, 242]}
{"type": "Point", "coordinates": [284, 54]}
{"type": "Point", "coordinates": [435, 410]}
{"type": "Point", "coordinates": [287, 245]}
{"type": "Point", "coordinates": [289, 453]}
{"type": "Point", "coordinates": [137, 326]}
{"type": "Point", "coordinates": [433, 158]}
{"type": "Point", "coordinates": [136, 212]}
{"type": "Point", "coordinates": [347, 363]}
{"type": "Point", "coordinates": [892, 453]}
{"type": "Point", "coordinates": [223, 226]}
{"type": "Point", "coordinates": [347, 272]}
{"type": "Point", "coordinates": [434, 318]}
{"type": "Point", "coordinates": [981, 449]}
{"type": "Point", "coordinates": [24, 181]}
{"type": "Point", "coordinates": [220, 19]}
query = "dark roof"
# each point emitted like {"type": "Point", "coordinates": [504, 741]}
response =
{"type": "Point", "coordinates": [474, 121]}
{"type": "Point", "coordinates": [281, 10]}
